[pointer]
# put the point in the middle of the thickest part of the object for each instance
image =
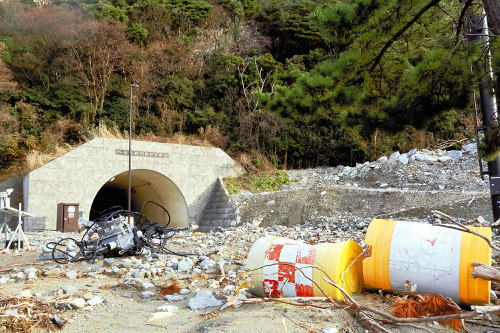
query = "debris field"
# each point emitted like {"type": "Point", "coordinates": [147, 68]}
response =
{"type": "Point", "coordinates": [207, 291]}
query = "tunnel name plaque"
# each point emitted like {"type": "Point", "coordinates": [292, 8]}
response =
{"type": "Point", "coordinates": [141, 153]}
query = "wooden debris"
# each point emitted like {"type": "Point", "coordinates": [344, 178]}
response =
{"type": "Point", "coordinates": [24, 314]}
{"type": "Point", "coordinates": [485, 272]}
{"type": "Point", "coordinates": [459, 226]}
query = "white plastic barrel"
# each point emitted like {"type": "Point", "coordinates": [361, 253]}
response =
{"type": "Point", "coordinates": [432, 258]}
{"type": "Point", "coordinates": [284, 267]}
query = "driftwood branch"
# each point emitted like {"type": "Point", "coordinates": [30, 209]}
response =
{"type": "Point", "coordinates": [390, 318]}
{"type": "Point", "coordinates": [372, 319]}
{"type": "Point", "coordinates": [459, 226]}
{"type": "Point", "coordinates": [369, 324]}
{"type": "Point", "coordinates": [485, 272]}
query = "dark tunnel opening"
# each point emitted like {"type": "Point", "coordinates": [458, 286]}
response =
{"type": "Point", "coordinates": [109, 196]}
{"type": "Point", "coordinates": [147, 185]}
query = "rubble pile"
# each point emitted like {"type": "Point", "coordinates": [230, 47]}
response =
{"type": "Point", "coordinates": [415, 170]}
{"type": "Point", "coordinates": [391, 187]}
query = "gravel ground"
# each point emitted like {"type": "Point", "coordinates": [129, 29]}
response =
{"type": "Point", "coordinates": [127, 292]}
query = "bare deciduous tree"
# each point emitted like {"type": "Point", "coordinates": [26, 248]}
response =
{"type": "Point", "coordinates": [99, 50]}
{"type": "Point", "coordinates": [258, 84]}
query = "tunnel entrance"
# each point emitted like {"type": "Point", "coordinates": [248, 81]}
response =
{"type": "Point", "coordinates": [147, 185]}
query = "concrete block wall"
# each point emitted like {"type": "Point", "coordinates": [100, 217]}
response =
{"type": "Point", "coordinates": [220, 211]}
{"type": "Point", "coordinates": [78, 175]}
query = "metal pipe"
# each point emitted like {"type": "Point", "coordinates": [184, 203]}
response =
{"type": "Point", "coordinates": [130, 149]}
{"type": "Point", "coordinates": [489, 109]}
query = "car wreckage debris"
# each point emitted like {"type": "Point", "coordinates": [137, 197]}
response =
{"type": "Point", "coordinates": [113, 235]}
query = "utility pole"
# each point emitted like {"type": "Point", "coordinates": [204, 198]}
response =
{"type": "Point", "coordinates": [489, 110]}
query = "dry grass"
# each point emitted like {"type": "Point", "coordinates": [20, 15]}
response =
{"type": "Point", "coordinates": [35, 159]}
{"type": "Point", "coordinates": [469, 124]}
{"type": "Point", "coordinates": [255, 163]}
{"type": "Point", "coordinates": [8, 123]}
{"type": "Point", "coordinates": [52, 143]}
{"type": "Point", "coordinates": [422, 140]}
{"type": "Point", "coordinates": [177, 138]}
{"type": "Point", "coordinates": [213, 136]}
{"type": "Point", "coordinates": [102, 131]}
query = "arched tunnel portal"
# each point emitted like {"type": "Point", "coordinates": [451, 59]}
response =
{"type": "Point", "coordinates": [147, 185]}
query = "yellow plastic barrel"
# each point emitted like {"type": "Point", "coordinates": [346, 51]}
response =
{"type": "Point", "coordinates": [282, 267]}
{"type": "Point", "coordinates": [429, 257]}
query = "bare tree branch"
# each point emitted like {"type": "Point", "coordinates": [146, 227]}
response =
{"type": "Point", "coordinates": [461, 20]}
{"type": "Point", "coordinates": [459, 226]}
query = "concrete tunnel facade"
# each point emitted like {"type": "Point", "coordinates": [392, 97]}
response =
{"type": "Point", "coordinates": [147, 187]}
{"type": "Point", "coordinates": [95, 176]}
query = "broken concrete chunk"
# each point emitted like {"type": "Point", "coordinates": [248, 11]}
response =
{"type": "Point", "coordinates": [147, 294]}
{"type": "Point", "coordinates": [455, 154]}
{"type": "Point", "coordinates": [444, 159]}
{"type": "Point", "coordinates": [68, 289]}
{"type": "Point", "coordinates": [470, 146]}
{"type": "Point", "coordinates": [139, 275]}
{"type": "Point", "coordinates": [147, 285]}
{"type": "Point", "coordinates": [185, 265]}
{"type": "Point", "coordinates": [87, 296]}
{"type": "Point", "coordinates": [108, 262]}
{"type": "Point", "coordinates": [395, 155]}
{"type": "Point", "coordinates": [411, 152]}
{"type": "Point", "coordinates": [71, 275]}
{"type": "Point", "coordinates": [29, 269]}
{"type": "Point", "coordinates": [207, 265]}
{"type": "Point", "coordinates": [174, 298]}
{"type": "Point", "coordinates": [94, 301]}
{"type": "Point", "coordinates": [425, 158]}
{"type": "Point", "coordinates": [167, 308]}
{"type": "Point", "coordinates": [77, 303]}
{"type": "Point", "coordinates": [184, 291]}
{"type": "Point", "coordinates": [203, 299]}
{"type": "Point", "coordinates": [53, 272]}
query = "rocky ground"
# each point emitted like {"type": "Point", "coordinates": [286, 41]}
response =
{"type": "Point", "coordinates": [198, 293]}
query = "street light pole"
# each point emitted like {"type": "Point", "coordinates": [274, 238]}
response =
{"type": "Point", "coordinates": [130, 150]}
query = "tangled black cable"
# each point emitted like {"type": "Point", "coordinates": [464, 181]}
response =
{"type": "Point", "coordinates": [145, 234]}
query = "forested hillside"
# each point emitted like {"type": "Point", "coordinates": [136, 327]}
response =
{"type": "Point", "coordinates": [301, 83]}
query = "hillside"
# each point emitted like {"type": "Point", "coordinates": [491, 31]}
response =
{"type": "Point", "coordinates": [300, 83]}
